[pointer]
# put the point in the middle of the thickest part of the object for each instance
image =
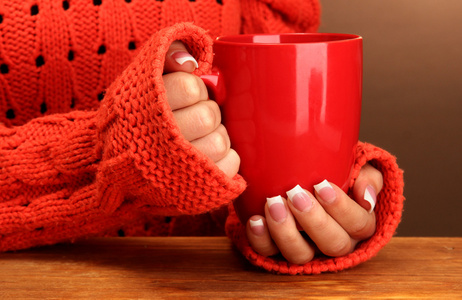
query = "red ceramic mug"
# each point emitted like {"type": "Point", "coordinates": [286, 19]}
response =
{"type": "Point", "coordinates": [291, 104]}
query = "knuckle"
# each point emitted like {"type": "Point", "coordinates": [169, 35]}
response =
{"type": "Point", "coordinates": [207, 117]}
{"type": "Point", "coordinates": [219, 144]}
{"type": "Point", "coordinates": [235, 160]}
{"type": "Point", "coordinates": [235, 156]}
{"type": "Point", "coordinates": [301, 258]}
{"type": "Point", "coordinates": [339, 247]}
{"type": "Point", "coordinates": [229, 164]}
{"type": "Point", "coordinates": [291, 239]}
{"type": "Point", "coordinates": [293, 253]}
{"type": "Point", "coordinates": [191, 87]}
{"type": "Point", "coordinates": [362, 229]}
{"type": "Point", "coordinates": [266, 249]}
{"type": "Point", "coordinates": [320, 224]}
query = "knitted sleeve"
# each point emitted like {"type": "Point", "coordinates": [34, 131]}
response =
{"type": "Point", "coordinates": [388, 213]}
{"type": "Point", "coordinates": [66, 176]}
{"type": "Point", "coordinates": [278, 16]}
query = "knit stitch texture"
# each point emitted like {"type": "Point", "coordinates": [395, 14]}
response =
{"type": "Point", "coordinates": [67, 174]}
{"type": "Point", "coordinates": [76, 165]}
{"type": "Point", "coordinates": [388, 215]}
{"type": "Point", "coordinates": [57, 56]}
{"type": "Point", "coordinates": [89, 145]}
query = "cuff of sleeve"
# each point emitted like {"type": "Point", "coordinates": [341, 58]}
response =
{"type": "Point", "coordinates": [388, 213]}
{"type": "Point", "coordinates": [145, 159]}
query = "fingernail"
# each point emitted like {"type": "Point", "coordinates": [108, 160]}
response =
{"type": "Point", "coordinates": [181, 57]}
{"type": "Point", "coordinates": [277, 208]}
{"type": "Point", "coordinates": [370, 196]}
{"type": "Point", "coordinates": [257, 227]}
{"type": "Point", "coordinates": [325, 191]}
{"type": "Point", "coordinates": [300, 199]}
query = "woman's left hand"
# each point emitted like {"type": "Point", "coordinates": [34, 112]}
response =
{"type": "Point", "coordinates": [331, 221]}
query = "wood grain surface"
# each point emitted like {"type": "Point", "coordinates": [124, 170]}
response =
{"type": "Point", "coordinates": [198, 267]}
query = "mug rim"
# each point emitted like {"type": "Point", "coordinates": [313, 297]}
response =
{"type": "Point", "coordinates": [265, 39]}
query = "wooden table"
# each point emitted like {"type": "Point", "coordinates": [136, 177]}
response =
{"type": "Point", "coordinates": [158, 268]}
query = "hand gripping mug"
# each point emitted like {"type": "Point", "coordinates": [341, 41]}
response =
{"type": "Point", "coordinates": [291, 104]}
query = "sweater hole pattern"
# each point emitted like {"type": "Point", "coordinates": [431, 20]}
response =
{"type": "Point", "coordinates": [70, 55]}
{"type": "Point", "coordinates": [43, 108]}
{"type": "Point", "coordinates": [100, 96]}
{"type": "Point", "coordinates": [65, 5]}
{"type": "Point", "coordinates": [10, 114]}
{"type": "Point", "coordinates": [39, 61]}
{"type": "Point", "coordinates": [102, 49]}
{"type": "Point", "coordinates": [4, 69]}
{"type": "Point", "coordinates": [34, 10]}
{"type": "Point", "coordinates": [75, 58]}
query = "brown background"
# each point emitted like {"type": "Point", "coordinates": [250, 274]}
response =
{"type": "Point", "coordinates": [412, 100]}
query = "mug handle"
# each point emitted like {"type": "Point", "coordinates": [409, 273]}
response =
{"type": "Point", "coordinates": [215, 86]}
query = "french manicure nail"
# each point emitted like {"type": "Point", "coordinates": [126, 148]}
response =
{"type": "Point", "coordinates": [257, 227]}
{"type": "Point", "coordinates": [370, 196]}
{"type": "Point", "coordinates": [325, 191]}
{"type": "Point", "coordinates": [277, 208]}
{"type": "Point", "coordinates": [300, 199]}
{"type": "Point", "coordinates": [181, 57]}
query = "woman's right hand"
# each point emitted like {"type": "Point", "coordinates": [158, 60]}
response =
{"type": "Point", "coordinates": [198, 117]}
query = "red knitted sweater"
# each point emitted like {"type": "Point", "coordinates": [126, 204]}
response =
{"type": "Point", "coordinates": [88, 143]}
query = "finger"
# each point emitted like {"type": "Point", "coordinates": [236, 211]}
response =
{"type": "Point", "coordinates": [215, 145]}
{"type": "Point", "coordinates": [178, 59]}
{"type": "Point", "coordinates": [283, 230]}
{"type": "Point", "coordinates": [230, 163]}
{"type": "Point", "coordinates": [184, 89]}
{"type": "Point", "coordinates": [367, 186]}
{"type": "Point", "coordinates": [354, 219]}
{"type": "Point", "coordinates": [198, 120]}
{"type": "Point", "coordinates": [259, 236]}
{"type": "Point", "coordinates": [324, 231]}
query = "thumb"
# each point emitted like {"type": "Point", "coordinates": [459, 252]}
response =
{"type": "Point", "coordinates": [178, 59]}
